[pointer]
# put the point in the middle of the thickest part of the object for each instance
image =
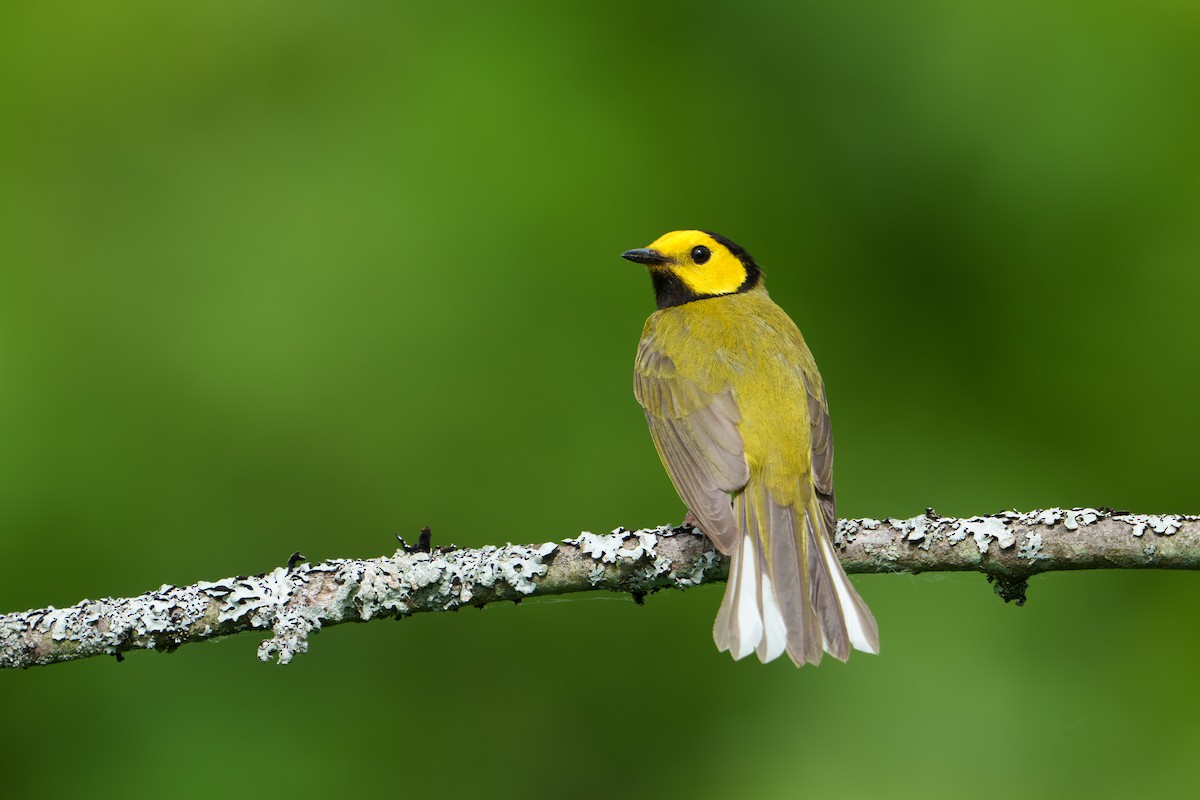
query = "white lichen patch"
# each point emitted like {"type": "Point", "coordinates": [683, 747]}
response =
{"type": "Point", "coordinates": [640, 564]}
{"type": "Point", "coordinates": [1073, 518]}
{"type": "Point", "coordinates": [290, 639]}
{"type": "Point", "coordinates": [696, 575]}
{"type": "Point", "coordinates": [956, 534]}
{"type": "Point", "coordinates": [983, 530]}
{"type": "Point", "coordinates": [625, 547]}
{"type": "Point", "coordinates": [1049, 516]}
{"type": "Point", "coordinates": [405, 583]}
{"type": "Point", "coordinates": [620, 544]}
{"type": "Point", "coordinates": [155, 619]}
{"type": "Point", "coordinates": [917, 529]}
{"type": "Point", "coordinates": [447, 580]}
{"type": "Point", "coordinates": [848, 529]}
{"type": "Point", "coordinates": [1162, 524]}
{"type": "Point", "coordinates": [292, 603]}
{"type": "Point", "coordinates": [259, 597]}
{"type": "Point", "coordinates": [1031, 548]}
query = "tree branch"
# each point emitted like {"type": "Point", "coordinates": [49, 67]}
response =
{"type": "Point", "coordinates": [295, 601]}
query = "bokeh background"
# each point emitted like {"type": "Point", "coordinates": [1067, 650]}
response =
{"type": "Point", "coordinates": [284, 276]}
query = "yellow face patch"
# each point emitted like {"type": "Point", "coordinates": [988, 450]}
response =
{"type": "Point", "coordinates": [704, 265]}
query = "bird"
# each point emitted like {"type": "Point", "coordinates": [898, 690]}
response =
{"type": "Point", "coordinates": [739, 417]}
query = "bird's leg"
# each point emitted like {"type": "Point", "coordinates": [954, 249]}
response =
{"type": "Point", "coordinates": [690, 521]}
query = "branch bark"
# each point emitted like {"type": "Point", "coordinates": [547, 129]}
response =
{"type": "Point", "coordinates": [294, 601]}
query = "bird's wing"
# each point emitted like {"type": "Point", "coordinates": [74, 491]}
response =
{"type": "Point", "coordinates": [696, 434]}
{"type": "Point", "coordinates": [822, 452]}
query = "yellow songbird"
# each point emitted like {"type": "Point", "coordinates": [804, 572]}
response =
{"type": "Point", "coordinates": [738, 414]}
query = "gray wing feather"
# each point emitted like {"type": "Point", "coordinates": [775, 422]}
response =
{"type": "Point", "coordinates": [822, 455]}
{"type": "Point", "coordinates": [697, 438]}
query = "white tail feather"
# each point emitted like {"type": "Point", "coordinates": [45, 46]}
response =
{"type": "Point", "coordinates": [749, 622]}
{"type": "Point", "coordinates": [751, 618]}
{"type": "Point", "coordinates": [774, 629]}
{"type": "Point", "coordinates": [856, 627]}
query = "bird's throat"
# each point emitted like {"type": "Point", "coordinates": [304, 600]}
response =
{"type": "Point", "coordinates": [670, 290]}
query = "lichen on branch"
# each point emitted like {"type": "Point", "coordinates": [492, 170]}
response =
{"type": "Point", "coordinates": [293, 602]}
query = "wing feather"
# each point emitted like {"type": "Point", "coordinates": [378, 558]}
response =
{"type": "Point", "coordinates": [696, 434]}
{"type": "Point", "coordinates": [822, 452]}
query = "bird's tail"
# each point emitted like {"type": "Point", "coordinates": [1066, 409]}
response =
{"type": "Point", "coordinates": [787, 590]}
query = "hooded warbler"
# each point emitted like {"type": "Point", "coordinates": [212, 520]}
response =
{"type": "Point", "coordinates": [738, 414]}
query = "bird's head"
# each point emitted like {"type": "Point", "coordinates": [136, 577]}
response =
{"type": "Point", "coordinates": [695, 265]}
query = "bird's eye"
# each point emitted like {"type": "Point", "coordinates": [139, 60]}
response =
{"type": "Point", "coordinates": [701, 254]}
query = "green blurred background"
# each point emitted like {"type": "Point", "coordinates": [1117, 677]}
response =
{"type": "Point", "coordinates": [284, 276]}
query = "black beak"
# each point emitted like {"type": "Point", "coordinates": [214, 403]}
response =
{"type": "Point", "coordinates": [644, 255]}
